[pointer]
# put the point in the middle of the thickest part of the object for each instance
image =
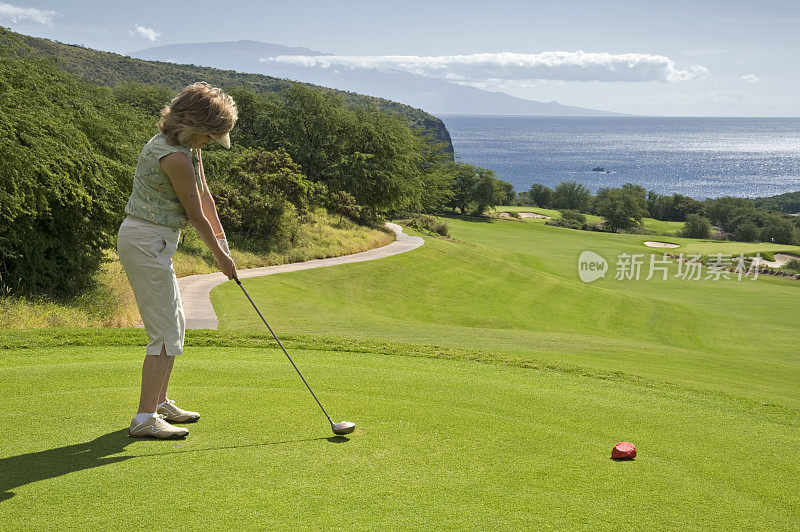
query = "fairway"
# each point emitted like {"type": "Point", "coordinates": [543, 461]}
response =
{"type": "Point", "coordinates": [512, 289]}
{"type": "Point", "coordinates": [487, 382]}
{"type": "Point", "coordinates": [660, 227]}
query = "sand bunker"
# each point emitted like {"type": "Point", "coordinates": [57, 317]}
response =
{"type": "Point", "coordinates": [780, 260]}
{"type": "Point", "coordinates": [533, 215]}
{"type": "Point", "coordinates": [655, 244]}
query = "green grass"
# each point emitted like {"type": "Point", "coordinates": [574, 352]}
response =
{"type": "Point", "coordinates": [513, 288]}
{"type": "Point", "coordinates": [488, 384]}
{"type": "Point", "coordinates": [442, 441]}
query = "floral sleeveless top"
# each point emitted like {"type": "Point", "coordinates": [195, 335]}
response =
{"type": "Point", "coordinates": [153, 198]}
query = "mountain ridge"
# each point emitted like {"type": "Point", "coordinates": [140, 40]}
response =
{"type": "Point", "coordinates": [436, 96]}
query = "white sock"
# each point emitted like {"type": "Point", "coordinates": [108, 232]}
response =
{"type": "Point", "coordinates": [162, 404]}
{"type": "Point", "coordinates": [141, 418]}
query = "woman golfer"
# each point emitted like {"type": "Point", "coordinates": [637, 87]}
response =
{"type": "Point", "coordinates": [169, 192]}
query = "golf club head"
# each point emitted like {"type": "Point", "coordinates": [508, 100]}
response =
{"type": "Point", "coordinates": [344, 427]}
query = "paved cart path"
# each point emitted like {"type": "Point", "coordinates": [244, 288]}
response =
{"type": "Point", "coordinates": [196, 289]}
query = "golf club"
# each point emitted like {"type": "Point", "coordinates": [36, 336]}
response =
{"type": "Point", "coordinates": [343, 427]}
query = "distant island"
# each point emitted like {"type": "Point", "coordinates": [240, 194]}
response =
{"type": "Point", "coordinates": [436, 96]}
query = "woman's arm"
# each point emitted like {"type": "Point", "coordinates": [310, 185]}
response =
{"type": "Point", "coordinates": [209, 207]}
{"type": "Point", "coordinates": [180, 171]}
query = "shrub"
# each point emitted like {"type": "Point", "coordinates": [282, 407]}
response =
{"type": "Point", "coordinates": [570, 219]}
{"type": "Point", "coordinates": [260, 194]}
{"type": "Point", "coordinates": [147, 98]}
{"type": "Point", "coordinates": [696, 227]}
{"type": "Point", "coordinates": [343, 204]}
{"type": "Point", "coordinates": [67, 150]}
{"type": "Point", "coordinates": [792, 265]}
{"type": "Point", "coordinates": [429, 223]}
{"type": "Point", "coordinates": [573, 216]}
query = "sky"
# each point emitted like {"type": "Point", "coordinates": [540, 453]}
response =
{"type": "Point", "coordinates": [674, 58]}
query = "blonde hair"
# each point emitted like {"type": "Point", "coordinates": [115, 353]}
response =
{"type": "Point", "coordinates": [199, 109]}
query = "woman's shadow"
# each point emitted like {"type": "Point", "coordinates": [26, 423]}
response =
{"type": "Point", "coordinates": [16, 471]}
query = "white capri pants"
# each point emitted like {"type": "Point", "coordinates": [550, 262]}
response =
{"type": "Point", "coordinates": [145, 250]}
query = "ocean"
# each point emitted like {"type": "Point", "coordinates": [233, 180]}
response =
{"type": "Point", "coordinates": [697, 157]}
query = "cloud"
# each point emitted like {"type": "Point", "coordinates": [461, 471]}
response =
{"type": "Point", "coordinates": [508, 66]}
{"type": "Point", "coordinates": [148, 33]}
{"type": "Point", "coordinates": [20, 14]}
{"type": "Point", "coordinates": [750, 78]}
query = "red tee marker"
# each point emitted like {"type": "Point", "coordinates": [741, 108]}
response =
{"type": "Point", "coordinates": [623, 451]}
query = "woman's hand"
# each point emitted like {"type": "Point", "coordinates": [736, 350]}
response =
{"type": "Point", "coordinates": [226, 265]}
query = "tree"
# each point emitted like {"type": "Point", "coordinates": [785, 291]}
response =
{"type": "Point", "coordinates": [464, 182]}
{"type": "Point", "coordinates": [660, 207]}
{"type": "Point", "coordinates": [541, 195]}
{"type": "Point", "coordinates": [622, 208]}
{"type": "Point", "coordinates": [437, 174]}
{"type": "Point", "coordinates": [777, 229]}
{"type": "Point", "coordinates": [507, 194]}
{"type": "Point", "coordinates": [722, 210]}
{"type": "Point", "coordinates": [476, 188]}
{"type": "Point", "coordinates": [789, 202]}
{"type": "Point", "coordinates": [260, 120]}
{"type": "Point", "coordinates": [380, 163]}
{"type": "Point", "coordinates": [572, 195]}
{"type": "Point", "coordinates": [696, 226]}
{"type": "Point", "coordinates": [376, 158]}
{"type": "Point", "coordinates": [310, 125]}
{"type": "Point", "coordinates": [437, 188]}
{"type": "Point", "coordinates": [747, 232]}
{"type": "Point", "coordinates": [637, 191]}
{"type": "Point", "coordinates": [684, 205]}
{"type": "Point", "coordinates": [488, 191]}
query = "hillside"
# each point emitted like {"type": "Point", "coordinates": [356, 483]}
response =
{"type": "Point", "coordinates": [69, 147]}
{"type": "Point", "coordinates": [110, 69]}
{"type": "Point", "coordinates": [789, 202]}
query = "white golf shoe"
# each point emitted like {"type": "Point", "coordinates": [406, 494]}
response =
{"type": "Point", "coordinates": [174, 414]}
{"type": "Point", "coordinates": [156, 427]}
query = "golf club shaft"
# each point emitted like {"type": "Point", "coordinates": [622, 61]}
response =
{"type": "Point", "coordinates": [284, 349]}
